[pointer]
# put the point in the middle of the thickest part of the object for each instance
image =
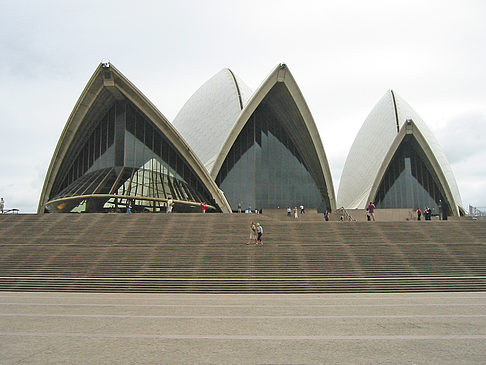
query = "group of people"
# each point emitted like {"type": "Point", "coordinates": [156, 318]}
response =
{"type": "Point", "coordinates": [256, 233]}
{"type": "Point", "coordinates": [296, 212]}
{"type": "Point", "coordinates": [249, 210]}
{"type": "Point", "coordinates": [427, 214]}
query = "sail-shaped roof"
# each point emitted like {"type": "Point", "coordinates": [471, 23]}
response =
{"type": "Point", "coordinates": [216, 115]}
{"type": "Point", "coordinates": [207, 118]}
{"type": "Point", "coordinates": [113, 132]}
{"type": "Point", "coordinates": [374, 147]}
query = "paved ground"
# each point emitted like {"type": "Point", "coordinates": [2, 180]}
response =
{"type": "Point", "coordinates": [58, 328]}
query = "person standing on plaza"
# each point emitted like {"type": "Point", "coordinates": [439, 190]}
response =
{"type": "Point", "coordinates": [326, 216]}
{"type": "Point", "coordinates": [296, 215]}
{"type": "Point", "coordinates": [239, 207]}
{"type": "Point", "coordinates": [419, 214]}
{"type": "Point", "coordinates": [253, 233]}
{"type": "Point", "coordinates": [2, 205]}
{"type": "Point", "coordinates": [302, 209]}
{"type": "Point", "coordinates": [259, 228]}
{"type": "Point", "coordinates": [289, 211]}
{"type": "Point", "coordinates": [371, 210]}
{"type": "Point", "coordinates": [203, 207]}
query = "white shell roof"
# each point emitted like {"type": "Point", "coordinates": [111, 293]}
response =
{"type": "Point", "coordinates": [207, 118]}
{"type": "Point", "coordinates": [372, 144]}
{"type": "Point", "coordinates": [119, 85]}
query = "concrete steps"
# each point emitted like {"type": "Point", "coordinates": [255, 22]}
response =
{"type": "Point", "coordinates": [198, 253]}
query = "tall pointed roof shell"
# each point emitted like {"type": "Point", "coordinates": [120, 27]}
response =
{"type": "Point", "coordinates": [373, 145]}
{"type": "Point", "coordinates": [306, 134]}
{"type": "Point", "coordinates": [106, 85]}
{"type": "Point", "coordinates": [208, 116]}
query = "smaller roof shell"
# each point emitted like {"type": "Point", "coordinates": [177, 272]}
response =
{"type": "Point", "coordinates": [375, 145]}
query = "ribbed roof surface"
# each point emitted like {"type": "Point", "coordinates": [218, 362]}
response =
{"type": "Point", "coordinates": [372, 144]}
{"type": "Point", "coordinates": [208, 117]}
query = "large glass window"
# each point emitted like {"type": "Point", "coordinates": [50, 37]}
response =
{"type": "Point", "coordinates": [152, 167]}
{"type": "Point", "coordinates": [264, 168]}
{"type": "Point", "coordinates": [410, 182]}
{"type": "Point", "coordinates": [96, 153]}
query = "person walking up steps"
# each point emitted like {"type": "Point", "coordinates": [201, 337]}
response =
{"type": "Point", "coordinates": [253, 233]}
{"type": "Point", "coordinates": [259, 228]}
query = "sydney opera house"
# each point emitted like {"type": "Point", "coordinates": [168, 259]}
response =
{"type": "Point", "coordinates": [230, 146]}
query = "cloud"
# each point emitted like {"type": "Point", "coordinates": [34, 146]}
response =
{"type": "Point", "coordinates": [463, 141]}
{"type": "Point", "coordinates": [463, 137]}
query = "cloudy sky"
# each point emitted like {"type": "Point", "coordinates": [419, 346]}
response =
{"type": "Point", "coordinates": [343, 54]}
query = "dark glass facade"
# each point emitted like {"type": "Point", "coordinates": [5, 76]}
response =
{"type": "Point", "coordinates": [410, 182]}
{"type": "Point", "coordinates": [125, 156]}
{"type": "Point", "coordinates": [264, 168]}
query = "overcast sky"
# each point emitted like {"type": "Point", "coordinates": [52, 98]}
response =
{"type": "Point", "coordinates": [344, 56]}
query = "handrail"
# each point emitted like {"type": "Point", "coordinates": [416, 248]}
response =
{"type": "Point", "coordinates": [345, 215]}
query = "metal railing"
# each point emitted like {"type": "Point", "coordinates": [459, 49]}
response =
{"type": "Point", "coordinates": [477, 212]}
{"type": "Point", "coordinates": [345, 216]}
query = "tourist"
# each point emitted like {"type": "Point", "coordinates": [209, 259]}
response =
{"type": "Point", "coordinates": [295, 213]}
{"type": "Point", "coordinates": [129, 207]}
{"type": "Point", "coordinates": [419, 214]}
{"type": "Point", "coordinates": [203, 207]}
{"type": "Point", "coordinates": [289, 211]}
{"type": "Point", "coordinates": [253, 233]}
{"type": "Point", "coordinates": [259, 233]}
{"type": "Point", "coordinates": [2, 205]}
{"type": "Point", "coordinates": [170, 205]}
{"type": "Point", "coordinates": [326, 215]}
{"type": "Point", "coordinates": [371, 210]}
{"type": "Point", "coordinates": [427, 213]}
{"type": "Point", "coordinates": [302, 210]}
{"type": "Point", "coordinates": [239, 207]}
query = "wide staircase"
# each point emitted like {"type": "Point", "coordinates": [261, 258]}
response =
{"type": "Point", "coordinates": [196, 253]}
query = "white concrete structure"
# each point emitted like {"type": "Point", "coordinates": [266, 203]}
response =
{"type": "Point", "coordinates": [206, 119]}
{"type": "Point", "coordinates": [214, 117]}
{"type": "Point", "coordinates": [383, 131]}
